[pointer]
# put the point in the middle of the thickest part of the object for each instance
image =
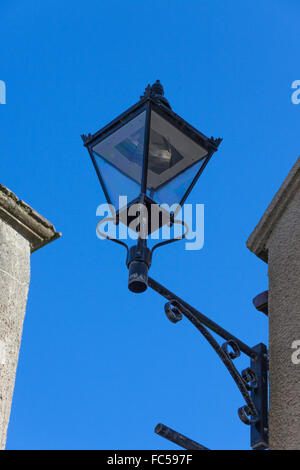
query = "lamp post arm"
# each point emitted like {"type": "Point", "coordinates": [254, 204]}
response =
{"type": "Point", "coordinates": [174, 308]}
{"type": "Point", "coordinates": [251, 382]}
{"type": "Point", "coordinates": [200, 318]}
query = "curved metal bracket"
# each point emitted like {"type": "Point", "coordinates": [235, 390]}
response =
{"type": "Point", "coordinates": [158, 245]}
{"type": "Point", "coordinates": [109, 219]}
{"type": "Point", "coordinates": [252, 381]}
{"type": "Point", "coordinates": [166, 242]}
{"type": "Point", "coordinates": [248, 413]}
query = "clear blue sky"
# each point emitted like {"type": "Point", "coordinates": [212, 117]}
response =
{"type": "Point", "coordinates": [99, 366]}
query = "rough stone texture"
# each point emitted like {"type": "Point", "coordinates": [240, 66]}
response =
{"type": "Point", "coordinates": [14, 282]}
{"type": "Point", "coordinates": [284, 308]}
{"type": "Point", "coordinates": [277, 239]}
{"type": "Point", "coordinates": [22, 231]}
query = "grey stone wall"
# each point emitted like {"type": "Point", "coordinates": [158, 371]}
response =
{"type": "Point", "coordinates": [284, 328]}
{"type": "Point", "coordinates": [22, 231]}
{"type": "Point", "coordinates": [276, 240]}
{"type": "Point", "coordinates": [14, 282]}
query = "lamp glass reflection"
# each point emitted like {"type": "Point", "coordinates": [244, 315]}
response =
{"type": "Point", "coordinates": [173, 161]}
{"type": "Point", "coordinates": [120, 159]}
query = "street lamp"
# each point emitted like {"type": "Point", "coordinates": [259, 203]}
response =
{"type": "Point", "coordinates": [152, 156]}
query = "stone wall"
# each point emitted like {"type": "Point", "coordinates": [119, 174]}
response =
{"type": "Point", "coordinates": [14, 282]}
{"type": "Point", "coordinates": [22, 231]}
{"type": "Point", "coordinates": [276, 240]}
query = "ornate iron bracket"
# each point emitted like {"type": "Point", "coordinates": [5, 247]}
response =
{"type": "Point", "coordinates": [252, 381]}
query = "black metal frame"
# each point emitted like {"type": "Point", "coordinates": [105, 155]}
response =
{"type": "Point", "coordinates": [148, 102]}
{"type": "Point", "coordinates": [157, 105]}
{"type": "Point", "coordinates": [252, 382]}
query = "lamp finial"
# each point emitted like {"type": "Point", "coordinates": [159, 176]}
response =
{"type": "Point", "coordinates": [156, 91]}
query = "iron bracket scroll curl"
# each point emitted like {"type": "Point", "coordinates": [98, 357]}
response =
{"type": "Point", "coordinates": [252, 382]}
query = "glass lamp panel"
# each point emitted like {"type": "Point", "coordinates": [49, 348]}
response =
{"type": "Point", "coordinates": [173, 161]}
{"type": "Point", "coordinates": [117, 184]}
{"type": "Point", "coordinates": [173, 191]}
{"type": "Point", "coordinates": [120, 159]}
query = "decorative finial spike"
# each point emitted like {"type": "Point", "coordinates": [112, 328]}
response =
{"type": "Point", "coordinates": [156, 92]}
{"type": "Point", "coordinates": [216, 141]}
{"type": "Point", "coordinates": [157, 88]}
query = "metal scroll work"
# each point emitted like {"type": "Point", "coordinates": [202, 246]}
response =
{"type": "Point", "coordinates": [252, 381]}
